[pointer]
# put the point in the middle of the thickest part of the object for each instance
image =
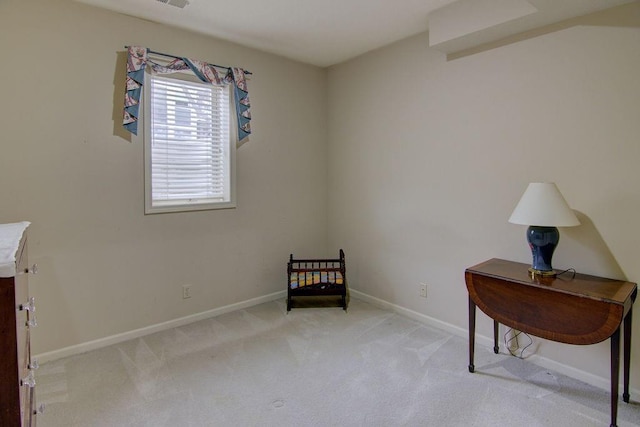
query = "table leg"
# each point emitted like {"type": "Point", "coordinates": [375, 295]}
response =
{"type": "Point", "coordinates": [496, 349]}
{"type": "Point", "coordinates": [627, 355]}
{"type": "Point", "coordinates": [615, 374]}
{"type": "Point", "coordinates": [472, 333]}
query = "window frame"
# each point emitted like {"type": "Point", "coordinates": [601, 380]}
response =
{"type": "Point", "coordinates": [151, 207]}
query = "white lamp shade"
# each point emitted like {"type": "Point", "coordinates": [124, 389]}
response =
{"type": "Point", "coordinates": [543, 205]}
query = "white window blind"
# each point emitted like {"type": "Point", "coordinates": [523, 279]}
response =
{"type": "Point", "coordinates": [189, 146]}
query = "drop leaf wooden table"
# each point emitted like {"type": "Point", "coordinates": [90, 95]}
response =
{"type": "Point", "coordinates": [580, 309]}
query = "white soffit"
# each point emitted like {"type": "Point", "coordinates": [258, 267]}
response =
{"type": "Point", "coordinates": [465, 17]}
{"type": "Point", "coordinates": [465, 24]}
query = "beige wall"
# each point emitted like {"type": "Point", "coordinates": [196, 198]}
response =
{"type": "Point", "coordinates": [105, 267]}
{"type": "Point", "coordinates": [428, 157]}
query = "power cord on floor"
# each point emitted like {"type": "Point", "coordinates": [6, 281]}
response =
{"type": "Point", "coordinates": [514, 340]}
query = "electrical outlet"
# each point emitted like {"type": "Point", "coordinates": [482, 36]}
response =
{"type": "Point", "coordinates": [186, 291]}
{"type": "Point", "coordinates": [423, 290]}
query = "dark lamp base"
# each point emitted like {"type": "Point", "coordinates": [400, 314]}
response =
{"type": "Point", "coordinates": [543, 242]}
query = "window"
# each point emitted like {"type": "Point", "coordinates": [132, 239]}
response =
{"type": "Point", "coordinates": [189, 154]}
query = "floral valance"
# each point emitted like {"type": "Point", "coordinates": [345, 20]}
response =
{"type": "Point", "coordinates": [138, 59]}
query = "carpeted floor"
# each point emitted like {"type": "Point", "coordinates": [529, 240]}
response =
{"type": "Point", "coordinates": [312, 367]}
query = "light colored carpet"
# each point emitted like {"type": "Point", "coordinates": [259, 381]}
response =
{"type": "Point", "coordinates": [312, 367]}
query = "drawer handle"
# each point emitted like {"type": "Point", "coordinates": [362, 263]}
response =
{"type": "Point", "coordinates": [32, 323]}
{"type": "Point", "coordinates": [33, 269]}
{"type": "Point", "coordinates": [39, 410]}
{"type": "Point", "coordinates": [29, 306]}
{"type": "Point", "coordinates": [28, 381]}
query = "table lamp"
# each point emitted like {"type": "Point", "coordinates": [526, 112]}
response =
{"type": "Point", "coordinates": [543, 208]}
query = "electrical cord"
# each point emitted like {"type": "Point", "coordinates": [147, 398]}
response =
{"type": "Point", "coordinates": [514, 338]}
{"type": "Point", "coordinates": [572, 270]}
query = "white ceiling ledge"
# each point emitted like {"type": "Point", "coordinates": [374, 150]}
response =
{"type": "Point", "coordinates": [467, 24]}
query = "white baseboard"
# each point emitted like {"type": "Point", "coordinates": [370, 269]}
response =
{"type": "Point", "coordinates": [544, 362]}
{"type": "Point", "coordinates": [422, 318]}
{"type": "Point", "coordinates": [136, 333]}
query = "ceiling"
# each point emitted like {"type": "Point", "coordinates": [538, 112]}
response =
{"type": "Point", "coordinates": [328, 32]}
